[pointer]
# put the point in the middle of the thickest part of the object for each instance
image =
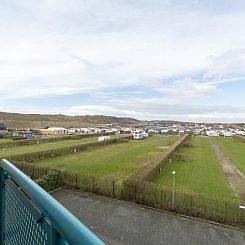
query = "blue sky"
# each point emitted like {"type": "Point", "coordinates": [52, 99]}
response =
{"type": "Point", "coordinates": [181, 60]}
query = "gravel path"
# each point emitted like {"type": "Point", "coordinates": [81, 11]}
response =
{"type": "Point", "coordinates": [233, 174]}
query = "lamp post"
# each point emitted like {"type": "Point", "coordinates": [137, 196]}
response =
{"type": "Point", "coordinates": [173, 173]}
{"type": "Point", "coordinates": [242, 207]}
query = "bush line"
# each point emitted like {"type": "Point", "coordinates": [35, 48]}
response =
{"type": "Point", "coordinates": [35, 156]}
{"type": "Point", "coordinates": [47, 140]}
{"type": "Point", "coordinates": [152, 169]}
{"type": "Point", "coordinates": [239, 138]}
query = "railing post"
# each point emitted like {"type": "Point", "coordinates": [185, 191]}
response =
{"type": "Point", "coordinates": [2, 204]}
{"type": "Point", "coordinates": [55, 237]}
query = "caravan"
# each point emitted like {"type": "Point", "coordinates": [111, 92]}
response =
{"type": "Point", "coordinates": [139, 134]}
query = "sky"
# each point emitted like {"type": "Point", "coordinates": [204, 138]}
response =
{"type": "Point", "coordinates": [155, 59]}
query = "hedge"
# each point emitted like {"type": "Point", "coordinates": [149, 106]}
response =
{"type": "Point", "coordinates": [35, 141]}
{"type": "Point", "coordinates": [35, 156]}
{"type": "Point", "coordinates": [34, 171]}
{"type": "Point", "coordinates": [52, 181]}
{"type": "Point", "coordinates": [152, 169]}
{"type": "Point", "coordinates": [239, 138]}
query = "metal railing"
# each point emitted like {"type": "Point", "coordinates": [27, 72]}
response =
{"type": "Point", "coordinates": [29, 215]}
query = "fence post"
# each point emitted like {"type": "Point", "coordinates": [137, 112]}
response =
{"type": "Point", "coordinates": [93, 183]}
{"type": "Point", "coordinates": [33, 169]}
{"type": "Point", "coordinates": [56, 238]}
{"type": "Point", "coordinates": [121, 193]}
{"type": "Point", "coordinates": [76, 181]}
{"type": "Point", "coordinates": [2, 205]}
{"type": "Point", "coordinates": [161, 198]}
{"type": "Point", "coordinates": [113, 188]}
{"type": "Point", "coordinates": [226, 215]}
{"type": "Point", "coordinates": [135, 192]}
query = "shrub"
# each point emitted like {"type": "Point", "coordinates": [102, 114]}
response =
{"type": "Point", "coordinates": [51, 181]}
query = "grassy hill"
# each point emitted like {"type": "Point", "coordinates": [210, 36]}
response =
{"type": "Point", "coordinates": [17, 120]}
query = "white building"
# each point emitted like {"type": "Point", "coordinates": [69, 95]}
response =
{"type": "Point", "coordinates": [57, 130]}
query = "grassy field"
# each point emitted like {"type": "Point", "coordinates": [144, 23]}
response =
{"type": "Point", "coordinates": [5, 140]}
{"type": "Point", "coordinates": [117, 160]}
{"type": "Point", "coordinates": [235, 150]}
{"type": "Point", "coordinates": [197, 171]}
{"type": "Point", "coordinates": [45, 146]}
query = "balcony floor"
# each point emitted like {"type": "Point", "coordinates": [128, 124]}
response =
{"type": "Point", "coordinates": [122, 223]}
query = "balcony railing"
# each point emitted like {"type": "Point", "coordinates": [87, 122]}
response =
{"type": "Point", "coordinates": [29, 215]}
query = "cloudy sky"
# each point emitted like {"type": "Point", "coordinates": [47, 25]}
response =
{"type": "Point", "coordinates": [155, 59]}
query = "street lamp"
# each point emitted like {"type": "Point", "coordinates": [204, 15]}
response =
{"type": "Point", "coordinates": [173, 173]}
{"type": "Point", "coordinates": [242, 207]}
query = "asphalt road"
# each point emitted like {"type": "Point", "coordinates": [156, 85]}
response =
{"type": "Point", "coordinates": [122, 223]}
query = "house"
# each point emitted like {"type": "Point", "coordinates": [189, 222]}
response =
{"type": "Point", "coordinates": [181, 131]}
{"type": "Point", "coordinates": [165, 130]}
{"type": "Point", "coordinates": [2, 127]}
{"type": "Point", "coordinates": [54, 131]}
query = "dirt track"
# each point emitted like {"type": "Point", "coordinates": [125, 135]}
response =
{"type": "Point", "coordinates": [233, 174]}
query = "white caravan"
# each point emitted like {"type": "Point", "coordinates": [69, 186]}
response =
{"type": "Point", "coordinates": [139, 134]}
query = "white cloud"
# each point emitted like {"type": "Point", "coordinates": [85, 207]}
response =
{"type": "Point", "coordinates": [144, 109]}
{"type": "Point", "coordinates": [228, 63]}
{"type": "Point", "coordinates": [218, 117]}
{"type": "Point", "coordinates": [50, 48]}
{"type": "Point", "coordinates": [127, 42]}
{"type": "Point", "coordinates": [99, 110]}
{"type": "Point", "coordinates": [188, 88]}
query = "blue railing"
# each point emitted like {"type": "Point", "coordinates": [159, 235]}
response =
{"type": "Point", "coordinates": [29, 215]}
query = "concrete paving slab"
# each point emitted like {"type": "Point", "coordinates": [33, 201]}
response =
{"type": "Point", "coordinates": [120, 223]}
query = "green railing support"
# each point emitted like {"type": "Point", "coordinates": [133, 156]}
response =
{"type": "Point", "coordinates": [33, 216]}
{"type": "Point", "coordinates": [2, 202]}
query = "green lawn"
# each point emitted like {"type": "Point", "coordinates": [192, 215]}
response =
{"type": "Point", "coordinates": [198, 173]}
{"type": "Point", "coordinates": [45, 146]}
{"type": "Point", "coordinates": [117, 160]}
{"type": "Point", "coordinates": [5, 140]}
{"type": "Point", "coordinates": [235, 150]}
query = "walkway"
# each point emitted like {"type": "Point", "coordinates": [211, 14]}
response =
{"type": "Point", "coordinates": [233, 174]}
{"type": "Point", "coordinates": [120, 223]}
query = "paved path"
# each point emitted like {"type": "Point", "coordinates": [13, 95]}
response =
{"type": "Point", "coordinates": [233, 174]}
{"type": "Point", "coordinates": [120, 223]}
